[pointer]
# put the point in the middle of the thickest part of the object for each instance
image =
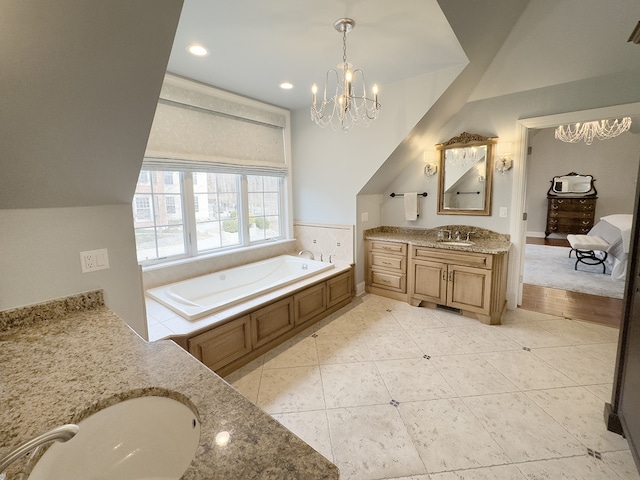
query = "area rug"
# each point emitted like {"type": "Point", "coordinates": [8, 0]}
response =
{"type": "Point", "coordinates": [551, 267]}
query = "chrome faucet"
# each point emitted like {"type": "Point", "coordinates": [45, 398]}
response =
{"type": "Point", "coordinates": [302, 252]}
{"type": "Point", "coordinates": [469, 235]}
{"type": "Point", "coordinates": [58, 434]}
{"type": "Point", "coordinates": [457, 234]}
{"type": "Point", "coordinates": [448, 233]}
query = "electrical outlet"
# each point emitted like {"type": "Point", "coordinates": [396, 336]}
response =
{"type": "Point", "coordinates": [365, 216]}
{"type": "Point", "coordinates": [503, 212]}
{"type": "Point", "coordinates": [93, 260]}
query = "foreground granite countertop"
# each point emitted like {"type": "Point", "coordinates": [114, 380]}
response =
{"type": "Point", "coordinates": [484, 241]}
{"type": "Point", "coordinates": [64, 360]}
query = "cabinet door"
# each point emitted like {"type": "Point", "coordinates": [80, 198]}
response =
{"type": "Point", "coordinates": [272, 321]}
{"type": "Point", "coordinates": [309, 303]}
{"type": "Point", "coordinates": [469, 289]}
{"type": "Point", "coordinates": [339, 288]}
{"type": "Point", "coordinates": [430, 281]}
{"type": "Point", "coordinates": [222, 345]}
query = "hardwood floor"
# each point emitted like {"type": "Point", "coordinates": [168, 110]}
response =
{"type": "Point", "coordinates": [575, 305]}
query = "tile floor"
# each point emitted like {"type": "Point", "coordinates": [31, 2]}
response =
{"type": "Point", "coordinates": [390, 391]}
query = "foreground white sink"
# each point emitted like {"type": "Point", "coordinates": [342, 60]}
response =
{"type": "Point", "coordinates": [141, 438]}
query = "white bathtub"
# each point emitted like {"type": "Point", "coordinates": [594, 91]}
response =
{"type": "Point", "coordinates": [205, 295]}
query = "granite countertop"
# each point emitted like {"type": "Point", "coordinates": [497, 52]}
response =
{"type": "Point", "coordinates": [64, 360]}
{"type": "Point", "coordinates": [484, 241]}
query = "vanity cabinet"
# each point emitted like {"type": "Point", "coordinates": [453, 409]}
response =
{"type": "Point", "coordinates": [456, 279]}
{"type": "Point", "coordinates": [386, 269]}
{"type": "Point", "coordinates": [474, 283]}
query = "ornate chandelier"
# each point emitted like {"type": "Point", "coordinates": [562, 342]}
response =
{"type": "Point", "coordinates": [349, 104]}
{"type": "Point", "coordinates": [589, 131]}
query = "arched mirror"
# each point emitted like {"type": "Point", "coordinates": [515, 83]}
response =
{"type": "Point", "coordinates": [465, 175]}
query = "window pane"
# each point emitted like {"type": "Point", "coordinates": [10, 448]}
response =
{"type": "Point", "coordinates": [217, 214]}
{"type": "Point", "coordinates": [170, 241]}
{"type": "Point", "coordinates": [157, 214]}
{"type": "Point", "coordinates": [146, 244]}
{"type": "Point", "coordinates": [264, 207]}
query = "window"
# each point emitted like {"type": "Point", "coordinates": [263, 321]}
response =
{"type": "Point", "coordinates": [218, 225]}
{"type": "Point", "coordinates": [264, 207]}
{"type": "Point", "coordinates": [215, 212]}
{"type": "Point", "coordinates": [158, 219]}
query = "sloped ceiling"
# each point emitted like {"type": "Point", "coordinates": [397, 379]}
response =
{"type": "Point", "coordinates": [80, 83]}
{"type": "Point", "coordinates": [481, 28]}
{"type": "Point", "coordinates": [254, 45]}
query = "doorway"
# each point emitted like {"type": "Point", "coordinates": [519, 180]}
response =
{"type": "Point", "coordinates": [518, 226]}
{"type": "Point", "coordinates": [550, 282]}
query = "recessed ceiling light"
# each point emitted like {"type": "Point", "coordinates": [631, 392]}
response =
{"type": "Point", "coordinates": [197, 50]}
{"type": "Point", "coordinates": [286, 86]}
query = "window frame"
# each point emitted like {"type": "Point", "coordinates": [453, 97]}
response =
{"type": "Point", "coordinates": [188, 200]}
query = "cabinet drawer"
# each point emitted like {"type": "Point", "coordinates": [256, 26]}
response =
{"type": "Point", "coordinates": [222, 345]}
{"type": "Point", "coordinates": [388, 262]}
{"type": "Point", "coordinates": [569, 214]}
{"type": "Point", "coordinates": [387, 280]}
{"type": "Point", "coordinates": [471, 259]}
{"type": "Point", "coordinates": [388, 247]}
{"type": "Point", "coordinates": [272, 321]}
{"type": "Point", "coordinates": [572, 203]}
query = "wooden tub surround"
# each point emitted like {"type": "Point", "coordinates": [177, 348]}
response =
{"type": "Point", "coordinates": [230, 339]}
{"type": "Point", "coordinates": [412, 265]}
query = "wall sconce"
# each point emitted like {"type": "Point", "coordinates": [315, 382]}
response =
{"type": "Point", "coordinates": [504, 163]}
{"type": "Point", "coordinates": [431, 167]}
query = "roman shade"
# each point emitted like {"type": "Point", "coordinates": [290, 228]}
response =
{"type": "Point", "coordinates": [197, 127]}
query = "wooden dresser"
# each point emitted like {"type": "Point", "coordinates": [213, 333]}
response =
{"type": "Point", "coordinates": [570, 214]}
{"type": "Point", "coordinates": [571, 204]}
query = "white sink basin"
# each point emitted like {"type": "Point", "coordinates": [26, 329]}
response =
{"type": "Point", "coordinates": [459, 244]}
{"type": "Point", "coordinates": [141, 438]}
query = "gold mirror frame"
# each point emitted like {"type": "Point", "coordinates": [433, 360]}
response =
{"type": "Point", "coordinates": [484, 184]}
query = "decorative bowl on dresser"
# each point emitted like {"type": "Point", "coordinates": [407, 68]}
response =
{"type": "Point", "coordinates": [571, 204]}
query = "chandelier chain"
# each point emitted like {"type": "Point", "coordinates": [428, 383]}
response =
{"type": "Point", "coordinates": [344, 47]}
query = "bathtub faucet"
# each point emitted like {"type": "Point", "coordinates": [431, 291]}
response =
{"type": "Point", "coordinates": [302, 252]}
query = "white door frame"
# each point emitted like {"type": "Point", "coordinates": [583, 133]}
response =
{"type": "Point", "coordinates": [518, 226]}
